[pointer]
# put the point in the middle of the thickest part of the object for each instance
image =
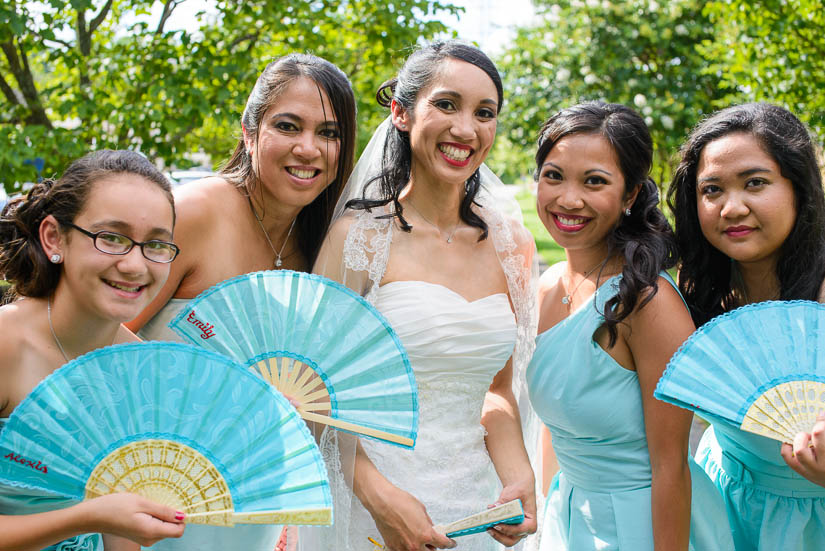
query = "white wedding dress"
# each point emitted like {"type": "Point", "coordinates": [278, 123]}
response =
{"type": "Point", "coordinates": [455, 347]}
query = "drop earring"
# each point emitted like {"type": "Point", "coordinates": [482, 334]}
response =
{"type": "Point", "coordinates": [55, 258]}
{"type": "Point", "coordinates": [627, 211]}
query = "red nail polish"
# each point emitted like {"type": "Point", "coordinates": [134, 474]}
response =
{"type": "Point", "coordinates": [179, 515]}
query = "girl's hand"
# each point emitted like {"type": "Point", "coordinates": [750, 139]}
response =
{"type": "Point", "coordinates": [133, 517]}
{"type": "Point", "coordinates": [405, 525]}
{"type": "Point", "coordinates": [807, 453]}
{"type": "Point", "coordinates": [508, 534]}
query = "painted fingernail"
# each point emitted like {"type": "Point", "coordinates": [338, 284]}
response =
{"type": "Point", "coordinates": [179, 515]}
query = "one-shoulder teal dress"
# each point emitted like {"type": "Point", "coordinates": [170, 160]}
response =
{"type": "Point", "coordinates": [601, 498]}
{"type": "Point", "coordinates": [20, 501]}
{"type": "Point", "coordinates": [770, 507]}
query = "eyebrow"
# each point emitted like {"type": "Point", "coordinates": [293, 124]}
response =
{"type": "Point", "coordinates": [586, 172]}
{"type": "Point", "coordinates": [743, 174]}
{"type": "Point", "coordinates": [123, 227]}
{"type": "Point", "coordinates": [456, 95]}
{"type": "Point", "coordinates": [298, 118]}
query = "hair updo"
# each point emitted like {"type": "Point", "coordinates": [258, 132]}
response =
{"type": "Point", "coordinates": [23, 261]}
{"type": "Point", "coordinates": [418, 72]}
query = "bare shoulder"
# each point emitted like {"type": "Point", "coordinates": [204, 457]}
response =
{"type": "Point", "coordinates": [820, 296]}
{"type": "Point", "coordinates": [204, 200]}
{"type": "Point", "coordinates": [551, 276]}
{"type": "Point", "coordinates": [13, 344]}
{"type": "Point", "coordinates": [665, 308]}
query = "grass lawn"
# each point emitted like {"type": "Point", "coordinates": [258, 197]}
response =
{"type": "Point", "coordinates": [549, 251]}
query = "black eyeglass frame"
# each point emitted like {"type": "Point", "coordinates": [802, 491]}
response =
{"type": "Point", "coordinates": [141, 244]}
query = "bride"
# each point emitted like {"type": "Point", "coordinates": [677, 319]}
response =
{"type": "Point", "coordinates": [425, 244]}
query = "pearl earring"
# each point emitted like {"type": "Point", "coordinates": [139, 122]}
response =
{"type": "Point", "coordinates": [627, 211]}
{"type": "Point", "coordinates": [55, 258]}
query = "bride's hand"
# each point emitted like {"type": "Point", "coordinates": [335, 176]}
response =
{"type": "Point", "coordinates": [508, 534]}
{"type": "Point", "coordinates": [405, 525]}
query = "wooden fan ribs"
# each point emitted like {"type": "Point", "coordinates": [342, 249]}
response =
{"type": "Point", "coordinates": [168, 472]}
{"type": "Point", "coordinates": [302, 384]}
{"type": "Point", "coordinates": [786, 409]}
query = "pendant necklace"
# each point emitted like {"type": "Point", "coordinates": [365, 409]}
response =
{"type": "Point", "coordinates": [440, 231]}
{"type": "Point", "coordinates": [54, 335]}
{"type": "Point", "coordinates": [278, 263]}
{"type": "Point", "coordinates": [566, 298]}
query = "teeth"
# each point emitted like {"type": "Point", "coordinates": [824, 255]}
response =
{"type": "Point", "coordinates": [301, 173]}
{"type": "Point", "coordinates": [454, 152]}
{"type": "Point", "coordinates": [123, 287]}
{"type": "Point", "coordinates": [571, 221]}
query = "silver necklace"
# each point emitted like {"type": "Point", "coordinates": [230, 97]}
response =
{"type": "Point", "coordinates": [440, 231]}
{"type": "Point", "coordinates": [278, 261]}
{"type": "Point", "coordinates": [566, 298]}
{"type": "Point", "coordinates": [54, 335]}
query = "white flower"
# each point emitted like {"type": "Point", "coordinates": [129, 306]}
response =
{"type": "Point", "coordinates": [590, 78]}
{"type": "Point", "coordinates": [681, 30]}
{"type": "Point", "coordinates": [563, 74]}
{"type": "Point", "coordinates": [667, 122]}
{"type": "Point", "coordinates": [639, 100]}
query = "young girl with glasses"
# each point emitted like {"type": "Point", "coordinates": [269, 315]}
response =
{"type": "Point", "coordinates": [83, 255]}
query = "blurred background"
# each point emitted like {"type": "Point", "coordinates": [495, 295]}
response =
{"type": "Point", "coordinates": [169, 78]}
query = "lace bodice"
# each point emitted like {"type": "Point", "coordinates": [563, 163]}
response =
{"type": "Point", "coordinates": [455, 347]}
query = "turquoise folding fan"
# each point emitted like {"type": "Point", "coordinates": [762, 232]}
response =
{"type": "Point", "coordinates": [179, 425]}
{"type": "Point", "coordinates": [317, 342]}
{"type": "Point", "coordinates": [760, 367]}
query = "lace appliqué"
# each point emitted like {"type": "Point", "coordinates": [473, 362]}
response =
{"type": "Point", "coordinates": [368, 236]}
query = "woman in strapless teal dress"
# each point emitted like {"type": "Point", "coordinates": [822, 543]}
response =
{"type": "Point", "coordinates": [83, 254]}
{"type": "Point", "coordinates": [750, 223]}
{"type": "Point", "coordinates": [610, 318]}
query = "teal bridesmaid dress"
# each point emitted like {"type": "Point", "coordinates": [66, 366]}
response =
{"type": "Point", "coordinates": [601, 498]}
{"type": "Point", "coordinates": [770, 507]}
{"type": "Point", "coordinates": [20, 501]}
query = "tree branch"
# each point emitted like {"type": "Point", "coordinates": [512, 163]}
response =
{"type": "Point", "coordinates": [168, 7]}
{"type": "Point", "coordinates": [8, 92]}
{"type": "Point", "coordinates": [25, 81]}
{"type": "Point", "coordinates": [101, 15]}
{"type": "Point", "coordinates": [241, 39]}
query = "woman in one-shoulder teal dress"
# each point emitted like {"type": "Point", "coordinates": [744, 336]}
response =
{"type": "Point", "coordinates": [610, 318]}
{"type": "Point", "coordinates": [601, 498]}
{"type": "Point", "coordinates": [750, 220]}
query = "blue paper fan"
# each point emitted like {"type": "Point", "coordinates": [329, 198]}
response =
{"type": "Point", "coordinates": [760, 367]}
{"type": "Point", "coordinates": [316, 341]}
{"type": "Point", "coordinates": [182, 426]}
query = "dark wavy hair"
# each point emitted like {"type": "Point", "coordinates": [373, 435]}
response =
{"type": "Point", "coordinates": [644, 238]}
{"type": "Point", "coordinates": [705, 272]}
{"type": "Point", "coordinates": [22, 260]}
{"type": "Point", "coordinates": [314, 219]}
{"type": "Point", "coordinates": [417, 74]}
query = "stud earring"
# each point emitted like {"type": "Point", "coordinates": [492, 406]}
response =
{"type": "Point", "coordinates": [627, 211]}
{"type": "Point", "coordinates": [55, 258]}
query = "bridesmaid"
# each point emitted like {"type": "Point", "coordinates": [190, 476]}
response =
{"type": "Point", "coordinates": [750, 222]}
{"type": "Point", "coordinates": [83, 254]}
{"type": "Point", "coordinates": [269, 208]}
{"type": "Point", "coordinates": [610, 317]}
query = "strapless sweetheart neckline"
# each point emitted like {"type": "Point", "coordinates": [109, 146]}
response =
{"type": "Point", "coordinates": [440, 286]}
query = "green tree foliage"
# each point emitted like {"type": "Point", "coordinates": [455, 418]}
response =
{"type": "Point", "coordinates": [637, 52]}
{"type": "Point", "coordinates": [75, 76]}
{"type": "Point", "coordinates": [771, 50]}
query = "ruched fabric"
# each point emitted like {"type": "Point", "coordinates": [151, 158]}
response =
{"type": "Point", "coordinates": [769, 506]}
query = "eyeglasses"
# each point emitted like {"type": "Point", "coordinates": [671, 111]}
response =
{"type": "Point", "coordinates": [110, 242]}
